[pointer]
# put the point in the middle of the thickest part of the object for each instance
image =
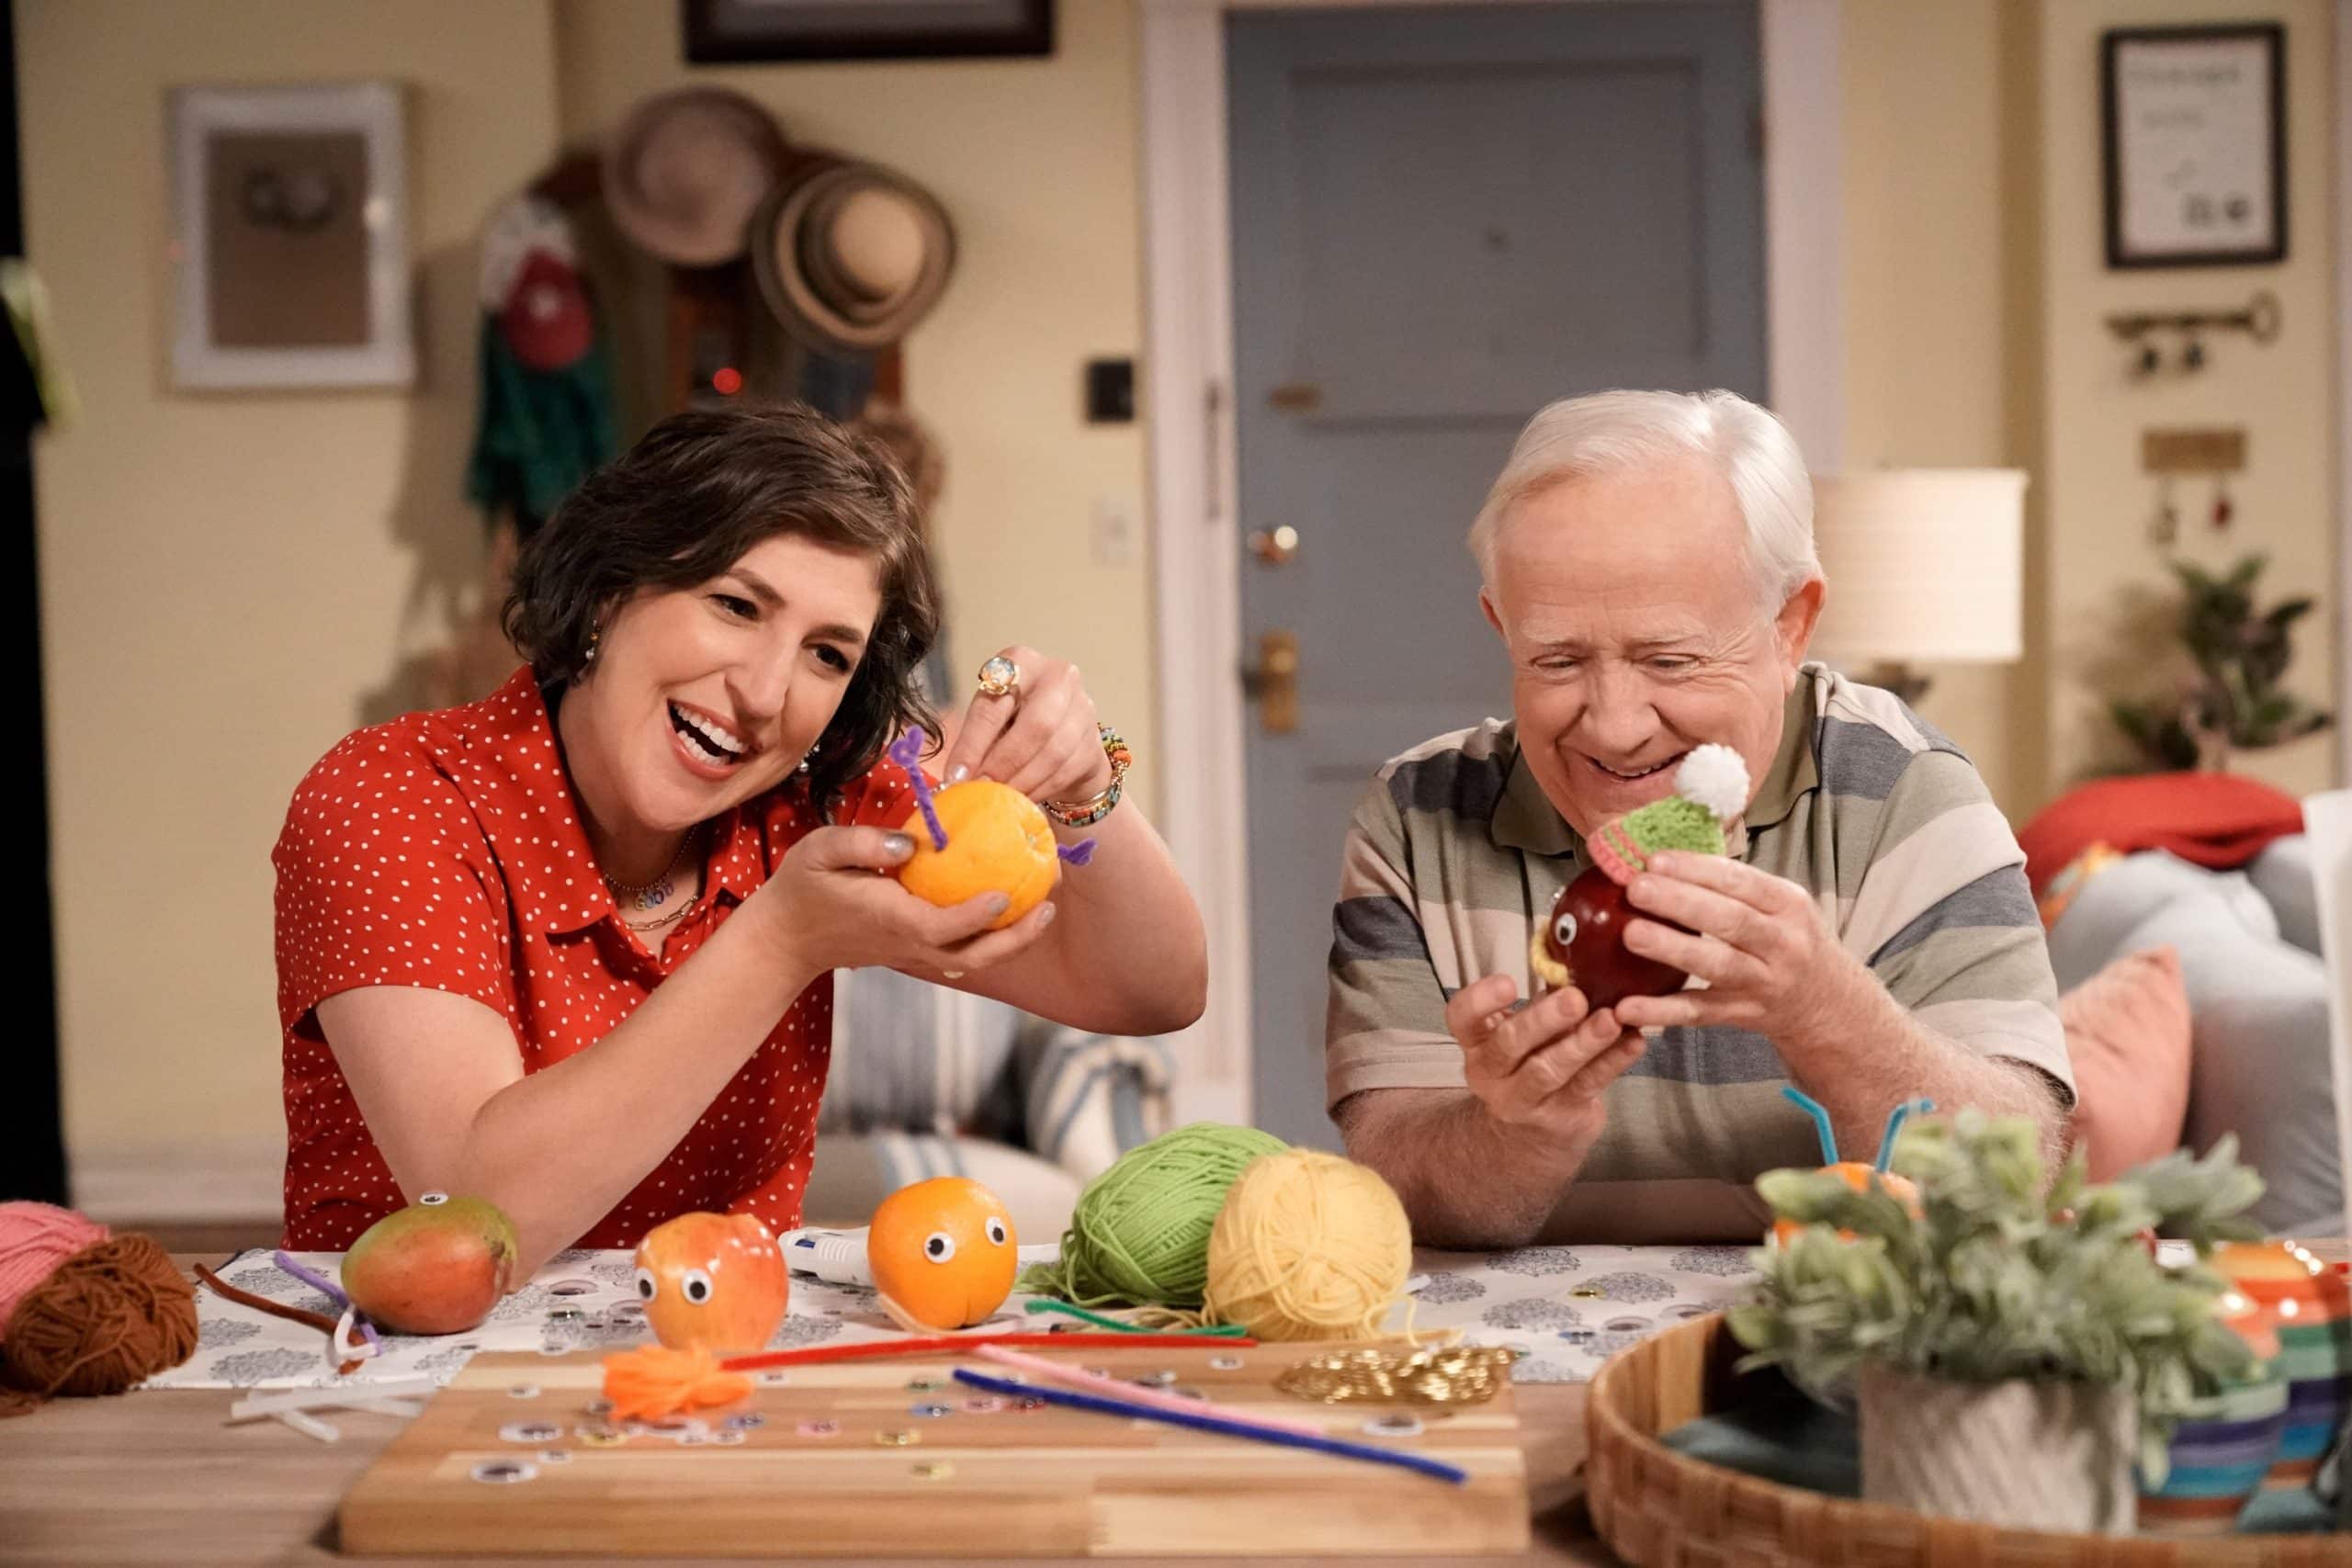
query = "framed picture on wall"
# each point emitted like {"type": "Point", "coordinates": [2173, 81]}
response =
{"type": "Point", "coordinates": [725, 31]}
{"type": "Point", "coordinates": [2195, 145]}
{"type": "Point", "coordinates": [290, 238]}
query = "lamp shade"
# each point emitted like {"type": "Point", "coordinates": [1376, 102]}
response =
{"type": "Point", "coordinates": [1923, 564]}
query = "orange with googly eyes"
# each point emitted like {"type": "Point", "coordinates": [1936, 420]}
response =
{"type": "Point", "coordinates": [943, 1252]}
{"type": "Point", "coordinates": [712, 1282]}
{"type": "Point", "coordinates": [1858, 1175]}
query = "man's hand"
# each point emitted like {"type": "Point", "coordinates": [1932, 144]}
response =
{"type": "Point", "coordinates": [1769, 961]}
{"type": "Point", "coordinates": [1538, 1073]}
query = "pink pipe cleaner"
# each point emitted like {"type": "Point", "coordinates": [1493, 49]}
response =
{"type": "Point", "coordinates": [1094, 1383]}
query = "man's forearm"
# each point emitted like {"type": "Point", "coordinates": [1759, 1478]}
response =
{"type": "Point", "coordinates": [1872, 1054]}
{"type": "Point", "coordinates": [1466, 1179]}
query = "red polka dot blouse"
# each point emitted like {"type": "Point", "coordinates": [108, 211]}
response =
{"type": "Point", "coordinates": [445, 851]}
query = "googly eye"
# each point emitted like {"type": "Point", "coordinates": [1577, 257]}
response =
{"type": "Point", "coordinates": [996, 1230]}
{"type": "Point", "coordinates": [1564, 930]}
{"type": "Point", "coordinates": [646, 1284]}
{"type": "Point", "coordinates": [505, 1472]}
{"type": "Point", "coordinates": [939, 1246]}
{"type": "Point", "coordinates": [432, 1199]}
{"type": "Point", "coordinates": [695, 1284]}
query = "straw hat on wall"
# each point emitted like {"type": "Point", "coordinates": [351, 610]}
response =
{"type": "Point", "coordinates": [686, 170]}
{"type": "Point", "coordinates": [850, 255]}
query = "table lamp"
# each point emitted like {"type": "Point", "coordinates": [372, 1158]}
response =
{"type": "Point", "coordinates": [1925, 566]}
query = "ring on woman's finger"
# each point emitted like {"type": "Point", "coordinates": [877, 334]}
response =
{"type": "Point", "coordinates": [999, 677]}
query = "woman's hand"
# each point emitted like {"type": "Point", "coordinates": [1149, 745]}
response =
{"type": "Point", "coordinates": [830, 910]}
{"type": "Point", "coordinates": [1039, 738]}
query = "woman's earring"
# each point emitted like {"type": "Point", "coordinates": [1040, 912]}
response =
{"type": "Point", "coordinates": [804, 759]}
{"type": "Point", "coordinates": [595, 634]}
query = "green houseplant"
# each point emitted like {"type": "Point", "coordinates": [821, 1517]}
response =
{"type": "Point", "coordinates": [2004, 1281]}
{"type": "Point", "coordinates": [2240, 655]}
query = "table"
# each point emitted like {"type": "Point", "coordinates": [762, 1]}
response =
{"type": "Point", "coordinates": [155, 1479]}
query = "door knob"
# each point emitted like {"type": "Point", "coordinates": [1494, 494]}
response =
{"type": "Point", "coordinates": [1275, 682]}
{"type": "Point", "coordinates": [1274, 546]}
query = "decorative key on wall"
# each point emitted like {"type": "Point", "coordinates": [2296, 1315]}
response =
{"type": "Point", "coordinates": [2158, 338]}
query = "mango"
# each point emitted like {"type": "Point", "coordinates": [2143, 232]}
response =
{"type": "Point", "coordinates": [437, 1266]}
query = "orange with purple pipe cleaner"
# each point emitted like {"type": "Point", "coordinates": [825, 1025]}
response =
{"type": "Point", "coordinates": [1001, 842]}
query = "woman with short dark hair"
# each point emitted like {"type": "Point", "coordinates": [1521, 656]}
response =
{"type": "Point", "coordinates": [568, 948]}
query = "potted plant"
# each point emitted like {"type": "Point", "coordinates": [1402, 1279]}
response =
{"type": "Point", "coordinates": [2234, 700]}
{"type": "Point", "coordinates": [2012, 1344]}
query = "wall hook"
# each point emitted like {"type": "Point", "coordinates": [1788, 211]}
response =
{"type": "Point", "coordinates": [2260, 319]}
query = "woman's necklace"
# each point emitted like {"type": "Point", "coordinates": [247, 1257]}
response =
{"type": "Point", "coordinates": [658, 921]}
{"type": "Point", "coordinates": [655, 894]}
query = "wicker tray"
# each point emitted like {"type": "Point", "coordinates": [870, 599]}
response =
{"type": "Point", "coordinates": [1657, 1508]}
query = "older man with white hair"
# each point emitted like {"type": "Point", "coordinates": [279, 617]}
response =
{"type": "Point", "coordinates": [1647, 560]}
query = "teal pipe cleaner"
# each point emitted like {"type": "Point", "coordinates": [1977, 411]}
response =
{"type": "Point", "coordinates": [1221, 1331]}
{"type": "Point", "coordinates": [1895, 1121]}
{"type": "Point", "coordinates": [1813, 1109]}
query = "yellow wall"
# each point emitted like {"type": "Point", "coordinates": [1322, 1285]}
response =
{"type": "Point", "coordinates": [1977, 292]}
{"type": "Point", "coordinates": [231, 584]}
{"type": "Point", "coordinates": [1929, 381]}
{"type": "Point", "coordinates": [225, 579]}
{"type": "Point", "coordinates": [1035, 161]}
{"type": "Point", "coordinates": [2284, 394]}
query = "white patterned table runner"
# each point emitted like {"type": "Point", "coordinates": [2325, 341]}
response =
{"type": "Point", "coordinates": [1569, 1307]}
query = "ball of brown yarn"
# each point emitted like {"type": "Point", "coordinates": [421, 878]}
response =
{"type": "Point", "coordinates": [114, 1314]}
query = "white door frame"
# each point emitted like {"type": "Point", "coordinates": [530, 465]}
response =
{"type": "Point", "coordinates": [1188, 402]}
{"type": "Point", "coordinates": [2343, 390]}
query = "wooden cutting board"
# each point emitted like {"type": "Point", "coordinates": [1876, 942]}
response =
{"type": "Point", "coordinates": [511, 1458]}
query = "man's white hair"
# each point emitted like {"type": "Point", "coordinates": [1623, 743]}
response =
{"type": "Point", "coordinates": [1612, 432]}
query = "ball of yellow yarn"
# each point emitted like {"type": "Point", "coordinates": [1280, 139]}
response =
{"type": "Point", "coordinates": [1309, 1246]}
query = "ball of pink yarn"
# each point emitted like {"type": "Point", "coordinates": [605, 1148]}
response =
{"type": "Point", "coordinates": [34, 1239]}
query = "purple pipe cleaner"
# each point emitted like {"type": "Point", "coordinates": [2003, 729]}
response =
{"type": "Point", "coordinates": [1078, 854]}
{"type": "Point", "coordinates": [333, 1293]}
{"type": "Point", "coordinates": [907, 751]}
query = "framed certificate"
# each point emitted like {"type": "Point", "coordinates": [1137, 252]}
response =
{"type": "Point", "coordinates": [2195, 149]}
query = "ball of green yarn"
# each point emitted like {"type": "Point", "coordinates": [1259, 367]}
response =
{"type": "Point", "coordinates": [1140, 1233]}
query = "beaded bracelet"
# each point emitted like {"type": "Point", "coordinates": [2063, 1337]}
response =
{"type": "Point", "coordinates": [1086, 813]}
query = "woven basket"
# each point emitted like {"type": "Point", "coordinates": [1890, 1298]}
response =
{"type": "Point", "coordinates": [1657, 1508]}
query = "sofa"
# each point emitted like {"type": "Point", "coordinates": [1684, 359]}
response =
{"type": "Point", "coordinates": [927, 1082]}
{"type": "Point", "coordinates": [2260, 1054]}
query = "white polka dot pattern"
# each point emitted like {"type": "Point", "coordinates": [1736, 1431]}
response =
{"type": "Point", "coordinates": [445, 851]}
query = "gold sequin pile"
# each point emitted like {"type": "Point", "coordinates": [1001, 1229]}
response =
{"type": "Point", "coordinates": [1455, 1374]}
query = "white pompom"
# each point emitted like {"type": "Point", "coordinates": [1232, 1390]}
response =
{"type": "Point", "coordinates": [1715, 777]}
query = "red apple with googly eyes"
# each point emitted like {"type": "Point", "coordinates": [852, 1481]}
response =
{"type": "Point", "coordinates": [1582, 943]}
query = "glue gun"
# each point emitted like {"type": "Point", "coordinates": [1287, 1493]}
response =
{"type": "Point", "coordinates": [838, 1258]}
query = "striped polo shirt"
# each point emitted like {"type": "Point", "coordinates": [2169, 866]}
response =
{"type": "Point", "coordinates": [1454, 852]}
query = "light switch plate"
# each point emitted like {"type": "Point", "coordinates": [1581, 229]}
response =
{"type": "Point", "coordinates": [1117, 530]}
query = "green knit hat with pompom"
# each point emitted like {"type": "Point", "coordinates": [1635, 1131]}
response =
{"type": "Point", "coordinates": [1710, 790]}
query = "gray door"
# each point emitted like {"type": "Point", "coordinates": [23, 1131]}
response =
{"type": "Point", "coordinates": [1443, 219]}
